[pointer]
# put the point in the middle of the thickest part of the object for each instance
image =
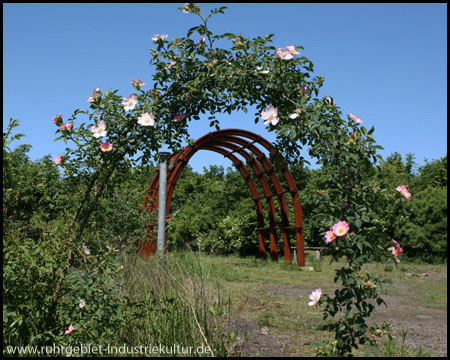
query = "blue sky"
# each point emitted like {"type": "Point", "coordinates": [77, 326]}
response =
{"type": "Point", "coordinates": [385, 63]}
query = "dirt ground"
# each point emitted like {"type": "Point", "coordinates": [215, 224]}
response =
{"type": "Point", "coordinates": [427, 327]}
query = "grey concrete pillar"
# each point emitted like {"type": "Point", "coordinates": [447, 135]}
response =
{"type": "Point", "coordinates": [162, 202]}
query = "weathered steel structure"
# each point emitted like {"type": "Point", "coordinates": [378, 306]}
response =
{"type": "Point", "coordinates": [231, 143]}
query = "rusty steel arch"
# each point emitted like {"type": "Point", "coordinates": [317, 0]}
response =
{"type": "Point", "coordinates": [229, 143]}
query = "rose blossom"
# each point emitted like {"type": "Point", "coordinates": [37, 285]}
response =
{"type": "Point", "coordinates": [270, 115]}
{"type": "Point", "coordinates": [86, 250]}
{"type": "Point", "coordinates": [160, 37]}
{"type": "Point", "coordinates": [284, 54]}
{"type": "Point", "coordinates": [292, 50]}
{"type": "Point", "coordinates": [146, 119]}
{"type": "Point", "coordinates": [58, 159]}
{"type": "Point", "coordinates": [397, 250]}
{"type": "Point", "coordinates": [57, 118]}
{"type": "Point", "coordinates": [99, 130]}
{"type": "Point", "coordinates": [130, 102]}
{"type": "Point", "coordinates": [315, 297]}
{"type": "Point", "coordinates": [138, 83]}
{"type": "Point", "coordinates": [71, 328]}
{"type": "Point", "coordinates": [106, 147]}
{"type": "Point", "coordinates": [341, 228]}
{"type": "Point", "coordinates": [330, 236]}
{"type": "Point", "coordinates": [404, 191]}
{"type": "Point", "coordinates": [95, 94]}
{"type": "Point", "coordinates": [355, 119]}
{"type": "Point", "coordinates": [179, 117]}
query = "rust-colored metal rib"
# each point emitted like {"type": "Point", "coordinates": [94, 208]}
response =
{"type": "Point", "coordinates": [269, 169]}
{"type": "Point", "coordinates": [229, 142]}
{"type": "Point", "coordinates": [266, 189]}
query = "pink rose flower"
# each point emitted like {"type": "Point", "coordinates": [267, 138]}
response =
{"type": "Point", "coordinates": [404, 191]}
{"type": "Point", "coordinates": [86, 250]}
{"type": "Point", "coordinates": [330, 236]}
{"type": "Point", "coordinates": [58, 159]}
{"type": "Point", "coordinates": [284, 54]}
{"type": "Point", "coordinates": [159, 37]}
{"type": "Point", "coordinates": [71, 328]}
{"type": "Point", "coordinates": [106, 147]}
{"type": "Point", "coordinates": [270, 115]}
{"type": "Point", "coordinates": [397, 250]}
{"type": "Point", "coordinates": [292, 50]}
{"type": "Point", "coordinates": [99, 130]}
{"type": "Point", "coordinates": [315, 297]}
{"type": "Point", "coordinates": [57, 118]}
{"type": "Point", "coordinates": [138, 83]}
{"type": "Point", "coordinates": [179, 117]}
{"type": "Point", "coordinates": [95, 94]}
{"type": "Point", "coordinates": [146, 119]}
{"type": "Point", "coordinates": [130, 102]}
{"type": "Point", "coordinates": [341, 228]}
{"type": "Point", "coordinates": [355, 119]}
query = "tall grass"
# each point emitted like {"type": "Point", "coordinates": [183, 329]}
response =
{"type": "Point", "coordinates": [390, 348]}
{"type": "Point", "coordinates": [176, 305]}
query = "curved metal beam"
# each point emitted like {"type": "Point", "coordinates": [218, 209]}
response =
{"type": "Point", "coordinates": [237, 142]}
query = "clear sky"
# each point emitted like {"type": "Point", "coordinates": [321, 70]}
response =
{"type": "Point", "coordinates": [385, 63]}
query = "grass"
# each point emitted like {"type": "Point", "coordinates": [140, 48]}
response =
{"type": "Point", "coordinates": [174, 304]}
{"type": "Point", "coordinates": [275, 294]}
{"type": "Point", "coordinates": [190, 298]}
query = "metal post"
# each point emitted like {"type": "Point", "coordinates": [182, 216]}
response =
{"type": "Point", "coordinates": [162, 202]}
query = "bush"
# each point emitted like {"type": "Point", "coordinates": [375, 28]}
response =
{"type": "Point", "coordinates": [44, 281]}
{"type": "Point", "coordinates": [425, 234]}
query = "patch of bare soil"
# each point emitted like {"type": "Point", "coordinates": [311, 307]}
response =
{"type": "Point", "coordinates": [426, 327]}
{"type": "Point", "coordinates": [259, 342]}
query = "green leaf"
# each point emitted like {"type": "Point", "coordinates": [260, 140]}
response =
{"type": "Point", "coordinates": [282, 131]}
{"type": "Point", "coordinates": [360, 247]}
{"type": "Point", "coordinates": [229, 35]}
{"type": "Point", "coordinates": [293, 135]}
{"type": "Point", "coordinates": [191, 30]}
{"type": "Point", "coordinates": [378, 147]}
{"type": "Point", "coordinates": [349, 313]}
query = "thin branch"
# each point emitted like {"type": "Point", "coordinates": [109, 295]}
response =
{"type": "Point", "coordinates": [94, 202]}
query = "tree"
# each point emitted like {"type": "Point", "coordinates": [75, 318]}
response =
{"type": "Point", "coordinates": [426, 229]}
{"type": "Point", "coordinates": [433, 173]}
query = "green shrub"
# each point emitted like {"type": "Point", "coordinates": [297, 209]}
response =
{"type": "Point", "coordinates": [425, 234]}
{"type": "Point", "coordinates": [44, 281]}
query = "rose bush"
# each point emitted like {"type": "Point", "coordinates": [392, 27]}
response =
{"type": "Point", "coordinates": [192, 77]}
